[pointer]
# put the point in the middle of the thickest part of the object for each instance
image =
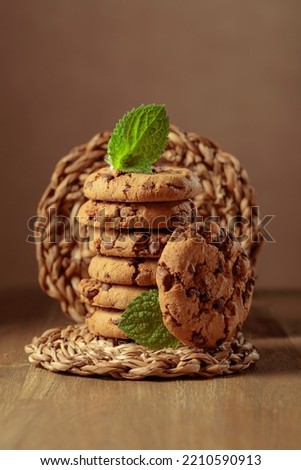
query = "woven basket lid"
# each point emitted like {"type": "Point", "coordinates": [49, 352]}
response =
{"type": "Point", "coordinates": [63, 257]}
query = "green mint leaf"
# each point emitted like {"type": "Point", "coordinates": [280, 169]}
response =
{"type": "Point", "coordinates": [142, 321]}
{"type": "Point", "coordinates": [138, 139]}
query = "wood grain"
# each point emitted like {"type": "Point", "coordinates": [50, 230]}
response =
{"type": "Point", "coordinates": [259, 409]}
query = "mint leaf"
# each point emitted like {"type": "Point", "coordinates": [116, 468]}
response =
{"type": "Point", "coordinates": [138, 139]}
{"type": "Point", "coordinates": [142, 321]}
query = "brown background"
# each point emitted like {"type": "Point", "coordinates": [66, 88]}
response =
{"type": "Point", "coordinates": [229, 70]}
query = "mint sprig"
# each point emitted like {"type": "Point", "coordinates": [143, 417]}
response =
{"type": "Point", "coordinates": [138, 139]}
{"type": "Point", "coordinates": [142, 322]}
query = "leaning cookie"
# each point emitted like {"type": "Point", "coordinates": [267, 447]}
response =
{"type": "Point", "coordinates": [128, 244]}
{"type": "Point", "coordinates": [104, 322]}
{"type": "Point", "coordinates": [125, 271]}
{"type": "Point", "coordinates": [205, 286]}
{"type": "Point", "coordinates": [132, 216]}
{"type": "Point", "coordinates": [164, 184]}
{"type": "Point", "coordinates": [102, 294]}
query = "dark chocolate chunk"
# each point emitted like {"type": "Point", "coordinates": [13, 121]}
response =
{"type": "Point", "coordinates": [107, 176]}
{"type": "Point", "coordinates": [154, 247]}
{"type": "Point", "coordinates": [90, 294]}
{"type": "Point", "coordinates": [126, 187]}
{"type": "Point", "coordinates": [218, 304]}
{"type": "Point", "coordinates": [193, 292]}
{"type": "Point", "coordinates": [108, 244]}
{"type": "Point", "coordinates": [166, 279]}
{"type": "Point", "coordinates": [150, 185]}
{"type": "Point", "coordinates": [106, 286]}
{"type": "Point", "coordinates": [240, 267]}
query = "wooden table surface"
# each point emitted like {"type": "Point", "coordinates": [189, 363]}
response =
{"type": "Point", "coordinates": [258, 409]}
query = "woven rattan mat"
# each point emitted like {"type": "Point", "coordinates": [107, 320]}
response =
{"type": "Point", "coordinates": [73, 349]}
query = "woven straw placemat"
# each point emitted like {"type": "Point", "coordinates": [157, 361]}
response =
{"type": "Point", "coordinates": [73, 349]}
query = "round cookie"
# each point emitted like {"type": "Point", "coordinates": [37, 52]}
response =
{"type": "Point", "coordinates": [151, 215]}
{"type": "Point", "coordinates": [128, 244]}
{"type": "Point", "coordinates": [205, 285]}
{"type": "Point", "coordinates": [104, 322]}
{"type": "Point", "coordinates": [125, 271]}
{"type": "Point", "coordinates": [102, 294]}
{"type": "Point", "coordinates": [164, 184]}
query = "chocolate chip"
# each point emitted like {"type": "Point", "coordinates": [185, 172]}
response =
{"type": "Point", "coordinates": [108, 245]}
{"type": "Point", "coordinates": [218, 304]}
{"type": "Point", "coordinates": [141, 242]}
{"type": "Point", "coordinates": [90, 294]}
{"type": "Point", "coordinates": [166, 279]}
{"type": "Point", "coordinates": [198, 270]}
{"type": "Point", "coordinates": [220, 266]}
{"type": "Point", "coordinates": [106, 286]}
{"type": "Point", "coordinates": [107, 176]}
{"type": "Point", "coordinates": [204, 296]}
{"type": "Point", "coordinates": [240, 267]}
{"type": "Point", "coordinates": [126, 188]}
{"type": "Point", "coordinates": [193, 292]}
{"type": "Point", "coordinates": [149, 185]}
{"type": "Point", "coordinates": [178, 220]}
{"type": "Point", "coordinates": [175, 322]}
{"type": "Point", "coordinates": [154, 248]}
{"type": "Point", "coordinates": [197, 340]}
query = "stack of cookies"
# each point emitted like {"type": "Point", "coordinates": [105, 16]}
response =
{"type": "Point", "coordinates": [130, 218]}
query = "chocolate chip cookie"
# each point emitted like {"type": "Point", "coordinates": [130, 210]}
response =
{"type": "Point", "coordinates": [164, 184]}
{"type": "Point", "coordinates": [136, 216]}
{"type": "Point", "coordinates": [104, 322]}
{"type": "Point", "coordinates": [102, 294]}
{"type": "Point", "coordinates": [128, 244]}
{"type": "Point", "coordinates": [205, 285]}
{"type": "Point", "coordinates": [125, 271]}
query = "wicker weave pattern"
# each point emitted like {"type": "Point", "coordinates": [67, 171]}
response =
{"type": "Point", "coordinates": [226, 193]}
{"type": "Point", "coordinates": [75, 350]}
